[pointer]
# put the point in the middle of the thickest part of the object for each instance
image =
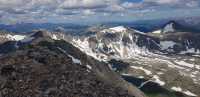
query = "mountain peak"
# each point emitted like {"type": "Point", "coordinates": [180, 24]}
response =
{"type": "Point", "coordinates": [169, 27]}
{"type": "Point", "coordinates": [40, 33]}
{"type": "Point", "coordinates": [174, 26]}
{"type": "Point", "coordinates": [118, 29]}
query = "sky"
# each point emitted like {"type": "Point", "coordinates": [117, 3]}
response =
{"type": "Point", "coordinates": [94, 11]}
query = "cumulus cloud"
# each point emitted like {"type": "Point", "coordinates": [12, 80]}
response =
{"type": "Point", "coordinates": [175, 3]}
{"type": "Point", "coordinates": [74, 4]}
{"type": "Point", "coordinates": [193, 3]}
{"type": "Point", "coordinates": [129, 5]}
{"type": "Point", "coordinates": [14, 3]}
{"type": "Point", "coordinates": [30, 10]}
{"type": "Point", "coordinates": [88, 12]}
{"type": "Point", "coordinates": [164, 1]}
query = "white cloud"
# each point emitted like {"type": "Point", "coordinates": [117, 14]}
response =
{"type": "Point", "coordinates": [88, 12]}
{"type": "Point", "coordinates": [73, 4]}
{"type": "Point", "coordinates": [192, 4]}
{"type": "Point", "coordinates": [115, 8]}
{"type": "Point", "coordinates": [132, 5]}
{"type": "Point", "coordinates": [21, 10]}
{"type": "Point", "coordinates": [14, 3]}
{"type": "Point", "coordinates": [163, 1]}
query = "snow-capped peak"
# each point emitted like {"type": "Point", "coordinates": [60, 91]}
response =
{"type": "Point", "coordinates": [169, 27]}
{"type": "Point", "coordinates": [118, 42]}
{"type": "Point", "coordinates": [118, 29]}
{"type": "Point", "coordinates": [115, 29]}
{"type": "Point", "coordinates": [121, 29]}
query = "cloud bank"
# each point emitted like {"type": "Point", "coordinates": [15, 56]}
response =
{"type": "Point", "coordinates": [13, 11]}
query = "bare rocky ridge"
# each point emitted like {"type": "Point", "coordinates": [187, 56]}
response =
{"type": "Point", "coordinates": [49, 68]}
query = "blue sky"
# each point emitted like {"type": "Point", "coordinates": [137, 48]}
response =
{"type": "Point", "coordinates": [94, 11]}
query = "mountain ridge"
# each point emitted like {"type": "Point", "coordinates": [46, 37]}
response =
{"type": "Point", "coordinates": [45, 47]}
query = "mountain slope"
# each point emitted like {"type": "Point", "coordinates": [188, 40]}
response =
{"type": "Point", "coordinates": [122, 42]}
{"type": "Point", "coordinates": [46, 67]}
{"type": "Point", "coordinates": [168, 59]}
{"type": "Point", "coordinates": [118, 42]}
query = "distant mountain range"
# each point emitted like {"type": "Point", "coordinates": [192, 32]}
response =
{"type": "Point", "coordinates": [186, 24]}
{"type": "Point", "coordinates": [28, 27]}
{"type": "Point", "coordinates": [191, 23]}
{"type": "Point", "coordinates": [171, 38]}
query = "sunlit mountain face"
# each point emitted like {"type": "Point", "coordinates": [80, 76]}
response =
{"type": "Point", "coordinates": [100, 48]}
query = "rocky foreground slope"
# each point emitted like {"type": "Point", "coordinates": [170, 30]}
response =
{"type": "Point", "coordinates": [42, 67]}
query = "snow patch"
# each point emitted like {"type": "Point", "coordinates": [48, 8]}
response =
{"type": "Point", "coordinates": [191, 50]}
{"type": "Point", "coordinates": [141, 77]}
{"type": "Point", "coordinates": [168, 28]}
{"type": "Point", "coordinates": [54, 37]}
{"type": "Point", "coordinates": [118, 29]}
{"type": "Point", "coordinates": [177, 89]}
{"type": "Point", "coordinates": [160, 73]}
{"type": "Point", "coordinates": [89, 67]}
{"type": "Point", "coordinates": [126, 74]}
{"type": "Point", "coordinates": [167, 44]}
{"type": "Point", "coordinates": [157, 32]}
{"type": "Point", "coordinates": [183, 63]}
{"type": "Point", "coordinates": [190, 93]}
{"type": "Point", "coordinates": [76, 61]}
{"type": "Point", "coordinates": [18, 37]}
{"type": "Point", "coordinates": [147, 72]}
{"type": "Point", "coordinates": [193, 59]}
{"type": "Point", "coordinates": [157, 80]}
{"type": "Point", "coordinates": [144, 83]}
{"type": "Point", "coordinates": [13, 37]}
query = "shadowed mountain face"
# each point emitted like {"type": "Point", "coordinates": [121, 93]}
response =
{"type": "Point", "coordinates": [177, 39]}
{"type": "Point", "coordinates": [178, 27]}
{"type": "Point", "coordinates": [55, 68]}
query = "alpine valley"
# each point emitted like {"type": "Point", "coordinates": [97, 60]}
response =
{"type": "Point", "coordinates": [101, 62]}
